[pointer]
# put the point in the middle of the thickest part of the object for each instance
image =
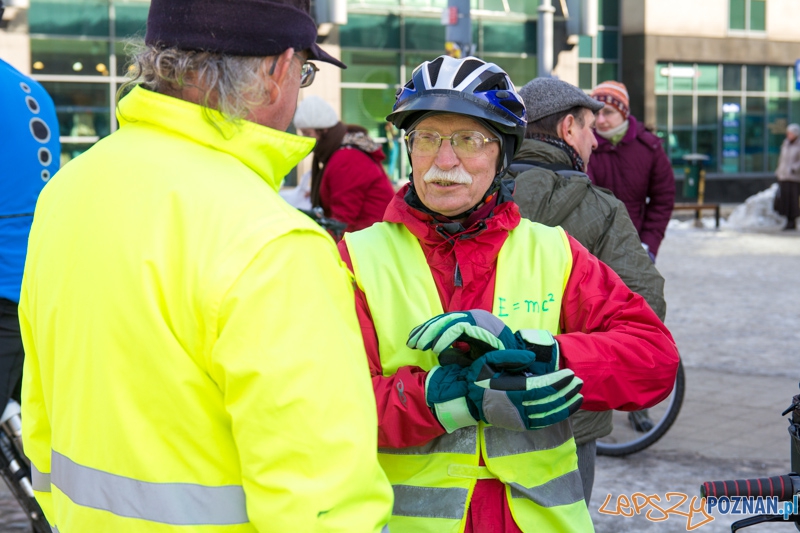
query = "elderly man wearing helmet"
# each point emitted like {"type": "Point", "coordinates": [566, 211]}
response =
{"type": "Point", "coordinates": [483, 329]}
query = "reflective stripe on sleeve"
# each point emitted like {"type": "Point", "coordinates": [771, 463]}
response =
{"type": "Point", "coordinates": [503, 442]}
{"type": "Point", "coordinates": [464, 440]}
{"type": "Point", "coordinates": [180, 504]}
{"type": "Point", "coordinates": [429, 502]}
{"type": "Point", "coordinates": [385, 529]}
{"type": "Point", "coordinates": [39, 480]}
{"type": "Point", "coordinates": [562, 490]}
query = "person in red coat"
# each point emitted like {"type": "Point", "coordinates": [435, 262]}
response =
{"type": "Point", "coordinates": [444, 232]}
{"type": "Point", "coordinates": [347, 178]}
{"type": "Point", "coordinates": [631, 162]}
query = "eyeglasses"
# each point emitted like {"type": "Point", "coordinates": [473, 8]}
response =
{"type": "Point", "coordinates": [307, 72]}
{"type": "Point", "coordinates": [466, 144]}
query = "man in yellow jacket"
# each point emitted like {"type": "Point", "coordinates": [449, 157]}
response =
{"type": "Point", "coordinates": [194, 361]}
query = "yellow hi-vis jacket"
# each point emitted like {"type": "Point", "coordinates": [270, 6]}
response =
{"type": "Point", "coordinates": [433, 483]}
{"type": "Point", "coordinates": [193, 359]}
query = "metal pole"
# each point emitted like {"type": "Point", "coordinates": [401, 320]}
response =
{"type": "Point", "coordinates": [545, 38]}
{"type": "Point", "coordinates": [458, 33]}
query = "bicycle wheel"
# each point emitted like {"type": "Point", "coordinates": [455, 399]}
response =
{"type": "Point", "coordinates": [633, 432]}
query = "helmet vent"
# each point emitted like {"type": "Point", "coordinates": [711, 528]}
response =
{"type": "Point", "coordinates": [495, 82]}
{"type": "Point", "coordinates": [466, 69]}
{"type": "Point", "coordinates": [433, 69]}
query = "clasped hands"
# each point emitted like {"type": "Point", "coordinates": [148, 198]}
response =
{"type": "Point", "coordinates": [488, 373]}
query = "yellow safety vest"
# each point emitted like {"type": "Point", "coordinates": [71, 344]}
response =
{"type": "Point", "coordinates": [433, 483]}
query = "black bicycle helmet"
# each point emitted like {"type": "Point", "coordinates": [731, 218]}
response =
{"type": "Point", "coordinates": [468, 86]}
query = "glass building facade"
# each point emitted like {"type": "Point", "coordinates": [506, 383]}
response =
{"type": "Point", "coordinates": [384, 40]}
{"type": "Point", "coordinates": [78, 54]}
{"type": "Point", "coordinates": [735, 114]}
{"type": "Point", "coordinates": [599, 57]}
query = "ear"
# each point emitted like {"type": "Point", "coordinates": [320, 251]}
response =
{"type": "Point", "coordinates": [278, 77]}
{"type": "Point", "coordinates": [566, 129]}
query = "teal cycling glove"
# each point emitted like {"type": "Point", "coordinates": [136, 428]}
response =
{"type": "Point", "coordinates": [482, 332]}
{"type": "Point", "coordinates": [498, 390]}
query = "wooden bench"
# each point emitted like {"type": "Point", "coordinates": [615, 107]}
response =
{"type": "Point", "coordinates": [697, 208]}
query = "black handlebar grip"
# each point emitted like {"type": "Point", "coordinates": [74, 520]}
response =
{"type": "Point", "coordinates": [781, 486]}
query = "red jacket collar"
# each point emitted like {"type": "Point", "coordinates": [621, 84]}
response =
{"type": "Point", "coordinates": [498, 221]}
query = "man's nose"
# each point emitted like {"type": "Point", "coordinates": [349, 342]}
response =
{"type": "Point", "coordinates": [446, 157]}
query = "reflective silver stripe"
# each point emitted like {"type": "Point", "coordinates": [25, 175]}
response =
{"type": "Point", "coordinates": [385, 529]}
{"type": "Point", "coordinates": [429, 502]}
{"type": "Point", "coordinates": [180, 504]}
{"type": "Point", "coordinates": [40, 481]}
{"type": "Point", "coordinates": [54, 528]}
{"type": "Point", "coordinates": [562, 490]}
{"type": "Point", "coordinates": [464, 440]}
{"type": "Point", "coordinates": [502, 442]}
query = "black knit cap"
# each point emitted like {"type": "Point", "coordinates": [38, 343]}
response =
{"type": "Point", "coordinates": [235, 27]}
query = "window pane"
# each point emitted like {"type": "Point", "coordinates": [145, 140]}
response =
{"type": "Point", "coordinates": [373, 2]}
{"type": "Point", "coordinates": [707, 145]}
{"type": "Point", "coordinates": [371, 67]}
{"type": "Point", "coordinates": [680, 144]}
{"type": "Point", "coordinates": [777, 120]}
{"type": "Point", "coordinates": [606, 71]}
{"type": "Point", "coordinates": [584, 46]}
{"type": "Point", "coordinates": [368, 108]}
{"type": "Point", "coordinates": [754, 135]}
{"type": "Point", "coordinates": [131, 17]}
{"type": "Point", "coordinates": [70, 151]}
{"type": "Point", "coordinates": [757, 15]}
{"type": "Point", "coordinates": [685, 80]}
{"type": "Point", "coordinates": [82, 108]}
{"type": "Point", "coordinates": [731, 128]}
{"type": "Point", "coordinates": [795, 109]}
{"type": "Point", "coordinates": [505, 37]}
{"type": "Point", "coordinates": [609, 12]}
{"type": "Point", "coordinates": [607, 44]}
{"type": "Point", "coordinates": [520, 70]}
{"type": "Point", "coordinates": [681, 111]}
{"type": "Point", "coordinates": [662, 113]}
{"type": "Point", "coordinates": [737, 14]}
{"type": "Point", "coordinates": [424, 34]}
{"type": "Point", "coordinates": [67, 56]}
{"type": "Point", "coordinates": [778, 79]}
{"type": "Point", "coordinates": [706, 111]}
{"type": "Point", "coordinates": [732, 77]}
{"type": "Point", "coordinates": [124, 51]}
{"type": "Point", "coordinates": [585, 76]}
{"type": "Point", "coordinates": [69, 17]}
{"type": "Point", "coordinates": [755, 78]}
{"type": "Point", "coordinates": [661, 79]}
{"type": "Point", "coordinates": [370, 31]}
{"type": "Point", "coordinates": [707, 77]}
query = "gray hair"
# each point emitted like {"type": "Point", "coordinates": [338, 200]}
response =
{"type": "Point", "coordinates": [232, 85]}
{"type": "Point", "coordinates": [794, 128]}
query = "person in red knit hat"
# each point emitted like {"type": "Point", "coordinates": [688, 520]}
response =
{"type": "Point", "coordinates": [631, 162]}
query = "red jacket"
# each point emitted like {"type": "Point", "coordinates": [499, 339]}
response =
{"type": "Point", "coordinates": [611, 338]}
{"type": "Point", "coordinates": [636, 169]}
{"type": "Point", "coordinates": [355, 188]}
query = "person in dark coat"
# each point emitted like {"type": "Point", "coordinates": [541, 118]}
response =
{"type": "Point", "coordinates": [347, 178]}
{"type": "Point", "coordinates": [631, 162]}
{"type": "Point", "coordinates": [788, 174]}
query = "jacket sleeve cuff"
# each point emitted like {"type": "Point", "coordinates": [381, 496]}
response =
{"type": "Point", "coordinates": [454, 414]}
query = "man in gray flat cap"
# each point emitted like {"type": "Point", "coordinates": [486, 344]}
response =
{"type": "Point", "coordinates": [553, 189]}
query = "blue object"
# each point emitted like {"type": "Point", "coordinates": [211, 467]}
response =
{"type": "Point", "coordinates": [797, 75]}
{"type": "Point", "coordinates": [30, 152]}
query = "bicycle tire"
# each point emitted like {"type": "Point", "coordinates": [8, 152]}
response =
{"type": "Point", "coordinates": [659, 430]}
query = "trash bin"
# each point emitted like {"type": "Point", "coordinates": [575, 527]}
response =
{"type": "Point", "coordinates": [694, 176]}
